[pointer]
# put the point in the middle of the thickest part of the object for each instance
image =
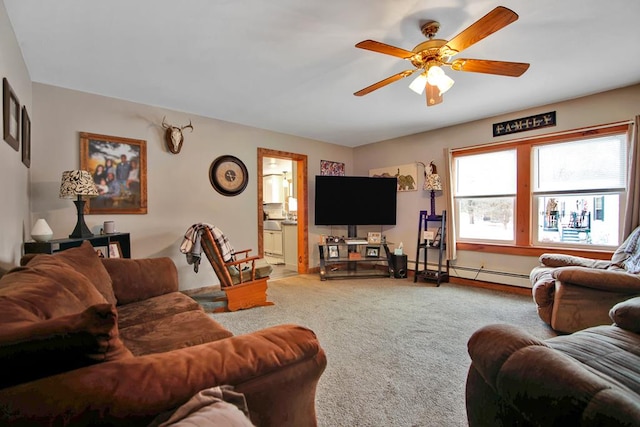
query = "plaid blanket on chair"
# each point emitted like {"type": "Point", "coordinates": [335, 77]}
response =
{"type": "Point", "coordinates": [192, 247]}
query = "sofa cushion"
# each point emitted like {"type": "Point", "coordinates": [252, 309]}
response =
{"type": "Point", "coordinates": [626, 314]}
{"type": "Point", "coordinates": [84, 260]}
{"type": "Point", "coordinates": [155, 308]}
{"type": "Point", "coordinates": [48, 347]}
{"type": "Point", "coordinates": [46, 288]}
{"type": "Point", "coordinates": [172, 332]}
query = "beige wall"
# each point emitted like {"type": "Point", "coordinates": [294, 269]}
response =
{"type": "Point", "coordinates": [179, 191]}
{"type": "Point", "coordinates": [14, 176]}
{"type": "Point", "coordinates": [608, 107]}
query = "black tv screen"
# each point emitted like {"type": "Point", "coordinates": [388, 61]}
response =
{"type": "Point", "coordinates": [355, 200]}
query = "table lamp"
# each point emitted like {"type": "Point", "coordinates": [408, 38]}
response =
{"type": "Point", "coordinates": [432, 182]}
{"type": "Point", "coordinates": [78, 183]}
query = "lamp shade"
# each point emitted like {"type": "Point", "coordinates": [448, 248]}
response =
{"type": "Point", "coordinates": [432, 182]}
{"type": "Point", "coordinates": [77, 183]}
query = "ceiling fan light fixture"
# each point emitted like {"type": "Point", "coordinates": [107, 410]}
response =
{"type": "Point", "coordinates": [419, 83]}
{"type": "Point", "coordinates": [437, 77]}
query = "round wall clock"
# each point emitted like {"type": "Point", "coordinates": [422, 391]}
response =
{"type": "Point", "coordinates": [228, 175]}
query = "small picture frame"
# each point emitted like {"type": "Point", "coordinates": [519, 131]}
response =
{"type": "Point", "coordinates": [334, 252]}
{"type": "Point", "coordinates": [374, 238]}
{"type": "Point", "coordinates": [10, 115]}
{"type": "Point", "coordinates": [101, 251]}
{"type": "Point", "coordinates": [114, 250]}
{"type": "Point", "coordinates": [372, 252]}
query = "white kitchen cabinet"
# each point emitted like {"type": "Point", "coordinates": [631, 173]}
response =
{"type": "Point", "coordinates": [273, 189]}
{"type": "Point", "coordinates": [290, 239]}
{"type": "Point", "coordinates": [273, 243]}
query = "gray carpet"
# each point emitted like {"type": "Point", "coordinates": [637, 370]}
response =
{"type": "Point", "coordinates": [396, 350]}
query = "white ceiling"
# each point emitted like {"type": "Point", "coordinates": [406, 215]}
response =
{"type": "Point", "coordinates": [291, 66]}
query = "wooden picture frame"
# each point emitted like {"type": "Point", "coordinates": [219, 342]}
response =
{"type": "Point", "coordinates": [119, 169]}
{"type": "Point", "coordinates": [374, 237]}
{"type": "Point", "coordinates": [334, 252]}
{"type": "Point", "coordinates": [10, 115]}
{"type": "Point", "coordinates": [26, 138]}
{"type": "Point", "coordinates": [115, 251]}
{"type": "Point", "coordinates": [372, 252]}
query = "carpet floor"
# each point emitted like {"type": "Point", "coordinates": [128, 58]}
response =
{"type": "Point", "coordinates": [396, 350]}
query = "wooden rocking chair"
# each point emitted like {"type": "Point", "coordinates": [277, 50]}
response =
{"type": "Point", "coordinates": [244, 280]}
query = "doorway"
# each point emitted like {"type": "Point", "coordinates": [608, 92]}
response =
{"type": "Point", "coordinates": [297, 194]}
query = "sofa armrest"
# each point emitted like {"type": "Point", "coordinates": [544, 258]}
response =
{"type": "Point", "coordinates": [543, 386]}
{"type": "Point", "coordinates": [491, 346]}
{"type": "Point", "coordinates": [276, 368]}
{"type": "Point", "coordinates": [564, 260]}
{"type": "Point", "coordinates": [607, 280]}
{"type": "Point", "coordinates": [140, 279]}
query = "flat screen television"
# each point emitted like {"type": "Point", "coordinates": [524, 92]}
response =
{"type": "Point", "coordinates": [355, 200]}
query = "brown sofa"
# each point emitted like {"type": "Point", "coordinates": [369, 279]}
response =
{"type": "Point", "coordinates": [588, 378]}
{"type": "Point", "coordinates": [90, 341]}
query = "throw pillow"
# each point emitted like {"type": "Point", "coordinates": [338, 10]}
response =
{"type": "Point", "coordinates": [626, 314]}
{"type": "Point", "coordinates": [84, 260]}
{"type": "Point", "coordinates": [57, 345]}
{"type": "Point", "coordinates": [46, 288]}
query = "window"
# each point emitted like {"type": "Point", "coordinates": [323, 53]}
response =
{"type": "Point", "coordinates": [485, 195]}
{"type": "Point", "coordinates": [564, 190]}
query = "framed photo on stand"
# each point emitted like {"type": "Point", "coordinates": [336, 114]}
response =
{"type": "Point", "coordinates": [372, 252]}
{"type": "Point", "coordinates": [374, 238]}
{"type": "Point", "coordinates": [114, 250]}
{"type": "Point", "coordinates": [334, 252]}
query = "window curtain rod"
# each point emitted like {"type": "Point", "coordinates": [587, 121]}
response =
{"type": "Point", "coordinates": [546, 135]}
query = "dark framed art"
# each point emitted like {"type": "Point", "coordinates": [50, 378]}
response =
{"type": "Point", "coordinates": [372, 251]}
{"type": "Point", "coordinates": [10, 115]}
{"type": "Point", "coordinates": [119, 169]}
{"type": "Point", "coordinates": [26, 138]}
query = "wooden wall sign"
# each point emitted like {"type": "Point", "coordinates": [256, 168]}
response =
{"type": "Point", "coordinates": [526, 123]}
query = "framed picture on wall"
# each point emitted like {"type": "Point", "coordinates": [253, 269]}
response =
{"type": "Point", "coordinates": [119, 169]}
{"type": "Point", "coordinates": [10, 115]}
{"type": "Point", "coordinates": [26, 138]}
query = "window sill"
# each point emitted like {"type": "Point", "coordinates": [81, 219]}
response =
{"type": "Point", "coordinates": [531, 251]}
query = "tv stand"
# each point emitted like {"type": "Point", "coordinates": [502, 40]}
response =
{"type": "Point", "coordinates": [354, 258]}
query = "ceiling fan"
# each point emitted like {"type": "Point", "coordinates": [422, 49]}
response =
{"type": "Point", "coordinates": [428, 57]}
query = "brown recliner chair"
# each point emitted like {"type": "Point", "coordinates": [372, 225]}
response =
{"type": "Point", "coordinates": [574, 293]}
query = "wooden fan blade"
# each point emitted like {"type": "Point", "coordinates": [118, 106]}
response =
{"type": "Point", "coordinates": [502, 68]}
{"type": "Point", "coordinates": [385, 82]}
{"type": "Point", "coordinates": [493, 21]}
{"type": "Point", "coordinates": [384, 48]}
{"type": "Point", "coordinates": [433, 95]}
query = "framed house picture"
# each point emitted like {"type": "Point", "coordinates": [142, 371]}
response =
{"type": "Point", "coordinates": [374, 238]}
{"type": "Point", "coordinates": [119, 169]}
{"type": "Point", "coordinates": [334, 252]}
{"type": "Point", "coordinates": [10, 115]}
